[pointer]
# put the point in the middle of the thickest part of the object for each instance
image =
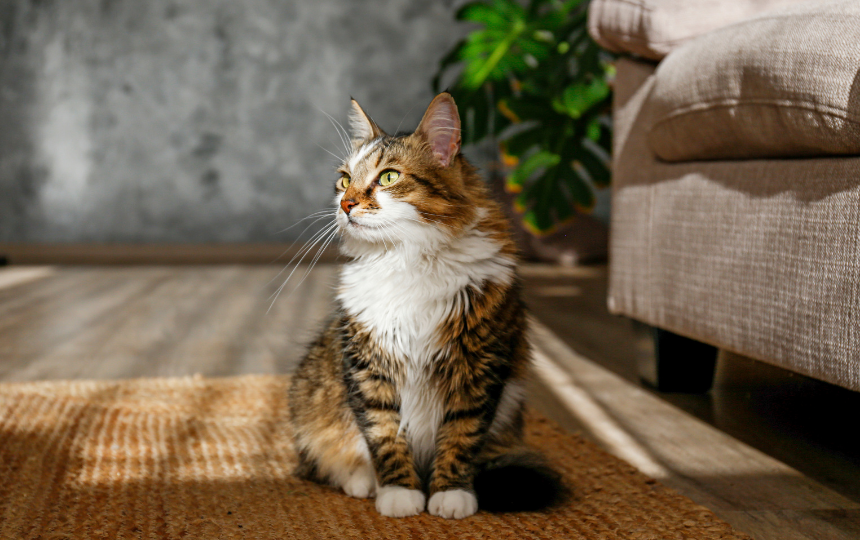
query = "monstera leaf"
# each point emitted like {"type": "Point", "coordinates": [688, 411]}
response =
{"type": "Point", "coordinates": [532, 78]}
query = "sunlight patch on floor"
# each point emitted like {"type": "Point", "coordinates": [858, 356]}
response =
{"type": "Point", "coordinates": [18, 275]}
{"type": "Point", "coordinates": [592, 415]}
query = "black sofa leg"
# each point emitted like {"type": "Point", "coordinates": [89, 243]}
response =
{"type": "Point", "coordinates": [679, 364]}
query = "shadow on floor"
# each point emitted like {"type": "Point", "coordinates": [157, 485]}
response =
{"type": "Point", "coordinates": [800, 421]}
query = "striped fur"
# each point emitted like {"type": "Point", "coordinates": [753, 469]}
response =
{"type": "Point", "coordinates": [416, 384]}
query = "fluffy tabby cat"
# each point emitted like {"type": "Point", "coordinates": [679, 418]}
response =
{"type": "Point", "coordinates": [416, 385]}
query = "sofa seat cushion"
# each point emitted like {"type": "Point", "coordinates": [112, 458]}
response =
{"type": "Point", "coordinates": [781, 85]}
{"type": "Point", "coordinates": [652, 28]}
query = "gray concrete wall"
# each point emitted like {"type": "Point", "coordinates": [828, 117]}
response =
{"type": "Point", "coordinates": [195, 120]}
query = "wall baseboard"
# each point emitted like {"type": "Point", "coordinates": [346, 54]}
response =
{"type": "Point", "coordinates": [152, 254]}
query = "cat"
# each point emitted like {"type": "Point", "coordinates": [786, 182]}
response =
{"type": "Point", "coordinates": [416, 384]}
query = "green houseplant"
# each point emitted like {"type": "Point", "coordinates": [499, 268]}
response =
{"type": "Point", "coordinates": [533, 79]}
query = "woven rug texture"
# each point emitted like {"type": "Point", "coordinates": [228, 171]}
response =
{"type": "Point", "coordinates": [200, 459]}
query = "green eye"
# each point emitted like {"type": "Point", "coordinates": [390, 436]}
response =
{"type": "Point", "coordinates": [388, 177]}
{"type": "Point", "coordinates": [343, 183]}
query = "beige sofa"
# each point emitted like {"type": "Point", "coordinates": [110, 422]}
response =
{"type": "Point", "coordinates": [736, 173]}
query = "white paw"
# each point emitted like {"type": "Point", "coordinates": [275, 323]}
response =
{"type": "Point", "coordinates": [453, 504]}
{"type": "Point", "coordinates": [361, 484]}
{"type": "Point", "coordinates": [396, 501]}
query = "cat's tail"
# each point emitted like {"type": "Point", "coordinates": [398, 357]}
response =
{"type": "Point", "coordinates": [518, 481]}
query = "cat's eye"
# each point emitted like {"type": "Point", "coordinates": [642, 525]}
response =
{"type": "Point", "coordinates": [343, 183]}
{"type": "Point", "coordinates": [388, 177]}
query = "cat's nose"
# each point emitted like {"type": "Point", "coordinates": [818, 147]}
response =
{"type": "Point", "coordinates": [347, 205]}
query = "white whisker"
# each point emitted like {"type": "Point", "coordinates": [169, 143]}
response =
{"type": "Point", "coordinates": [294, 243]}
{"type": "Point", "coordinates": [313, 238]}
{"type": "Point", "coordinates": [344, 138]}
{"type": "Point", "coordinates": [340, 159]}
{"type": "Point", "coordinates": [315, 214]}
{"type": "Point", "coordinates": [319, 253]}
{"type": "Point", "coordinates": [384, 245]}
{"type": "Point", "coordinates": [384, 230]}
{"type": "Point", "coordinates": [304, 253]}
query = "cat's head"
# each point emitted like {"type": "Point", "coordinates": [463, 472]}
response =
{"type": "Point", "coordinates": [398, 189]}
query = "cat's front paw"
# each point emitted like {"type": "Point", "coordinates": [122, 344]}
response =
{"type": "Point", "coordinates": [396, 501]}
{"type": "Point", "coordinates": [361, 483]}
{"type": "Point", "coordinates": [453, 504]}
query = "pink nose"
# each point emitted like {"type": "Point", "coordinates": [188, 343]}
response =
{"type": "Point", "coordinates": [347, 205]}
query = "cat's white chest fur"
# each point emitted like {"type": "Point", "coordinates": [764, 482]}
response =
{"type": "Point", "coordinates": [403, 296]}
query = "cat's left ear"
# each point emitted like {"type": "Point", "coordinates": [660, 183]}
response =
{"type": "Point", "coordinates": [441, 128]}
{"type": "Point", "coordinates": [362, 126]}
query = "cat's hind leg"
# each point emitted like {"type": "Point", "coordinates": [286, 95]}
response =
{"type": "Point", "coordinates": [330, 447]}
{"type": "Point", "coordinates": [361, 483]}
{"type": "Point", "coordinates": [342, 461]}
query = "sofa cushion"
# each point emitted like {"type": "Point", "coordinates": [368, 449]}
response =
{"type": "Point", "coordinates": [652, 28]}
{"type": "Point", "coordinates": [782, 85]}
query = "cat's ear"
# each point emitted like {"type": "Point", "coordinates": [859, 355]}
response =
{"type": "Point", "coordinates": [440, 127]}
{"type": "Point", "coordinates": [361, 125]}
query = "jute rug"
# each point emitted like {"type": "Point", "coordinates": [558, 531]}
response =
{"type": "Point", "coordinates": [203, 459]}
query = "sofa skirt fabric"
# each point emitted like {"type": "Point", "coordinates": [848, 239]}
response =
{"type": "Point", "coordinates": [760, 257]}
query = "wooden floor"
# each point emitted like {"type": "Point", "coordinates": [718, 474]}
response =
{"type": "Point", "coordinates": [113, 322]}
{"type": "Point", "coordinates": [771, 453]}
